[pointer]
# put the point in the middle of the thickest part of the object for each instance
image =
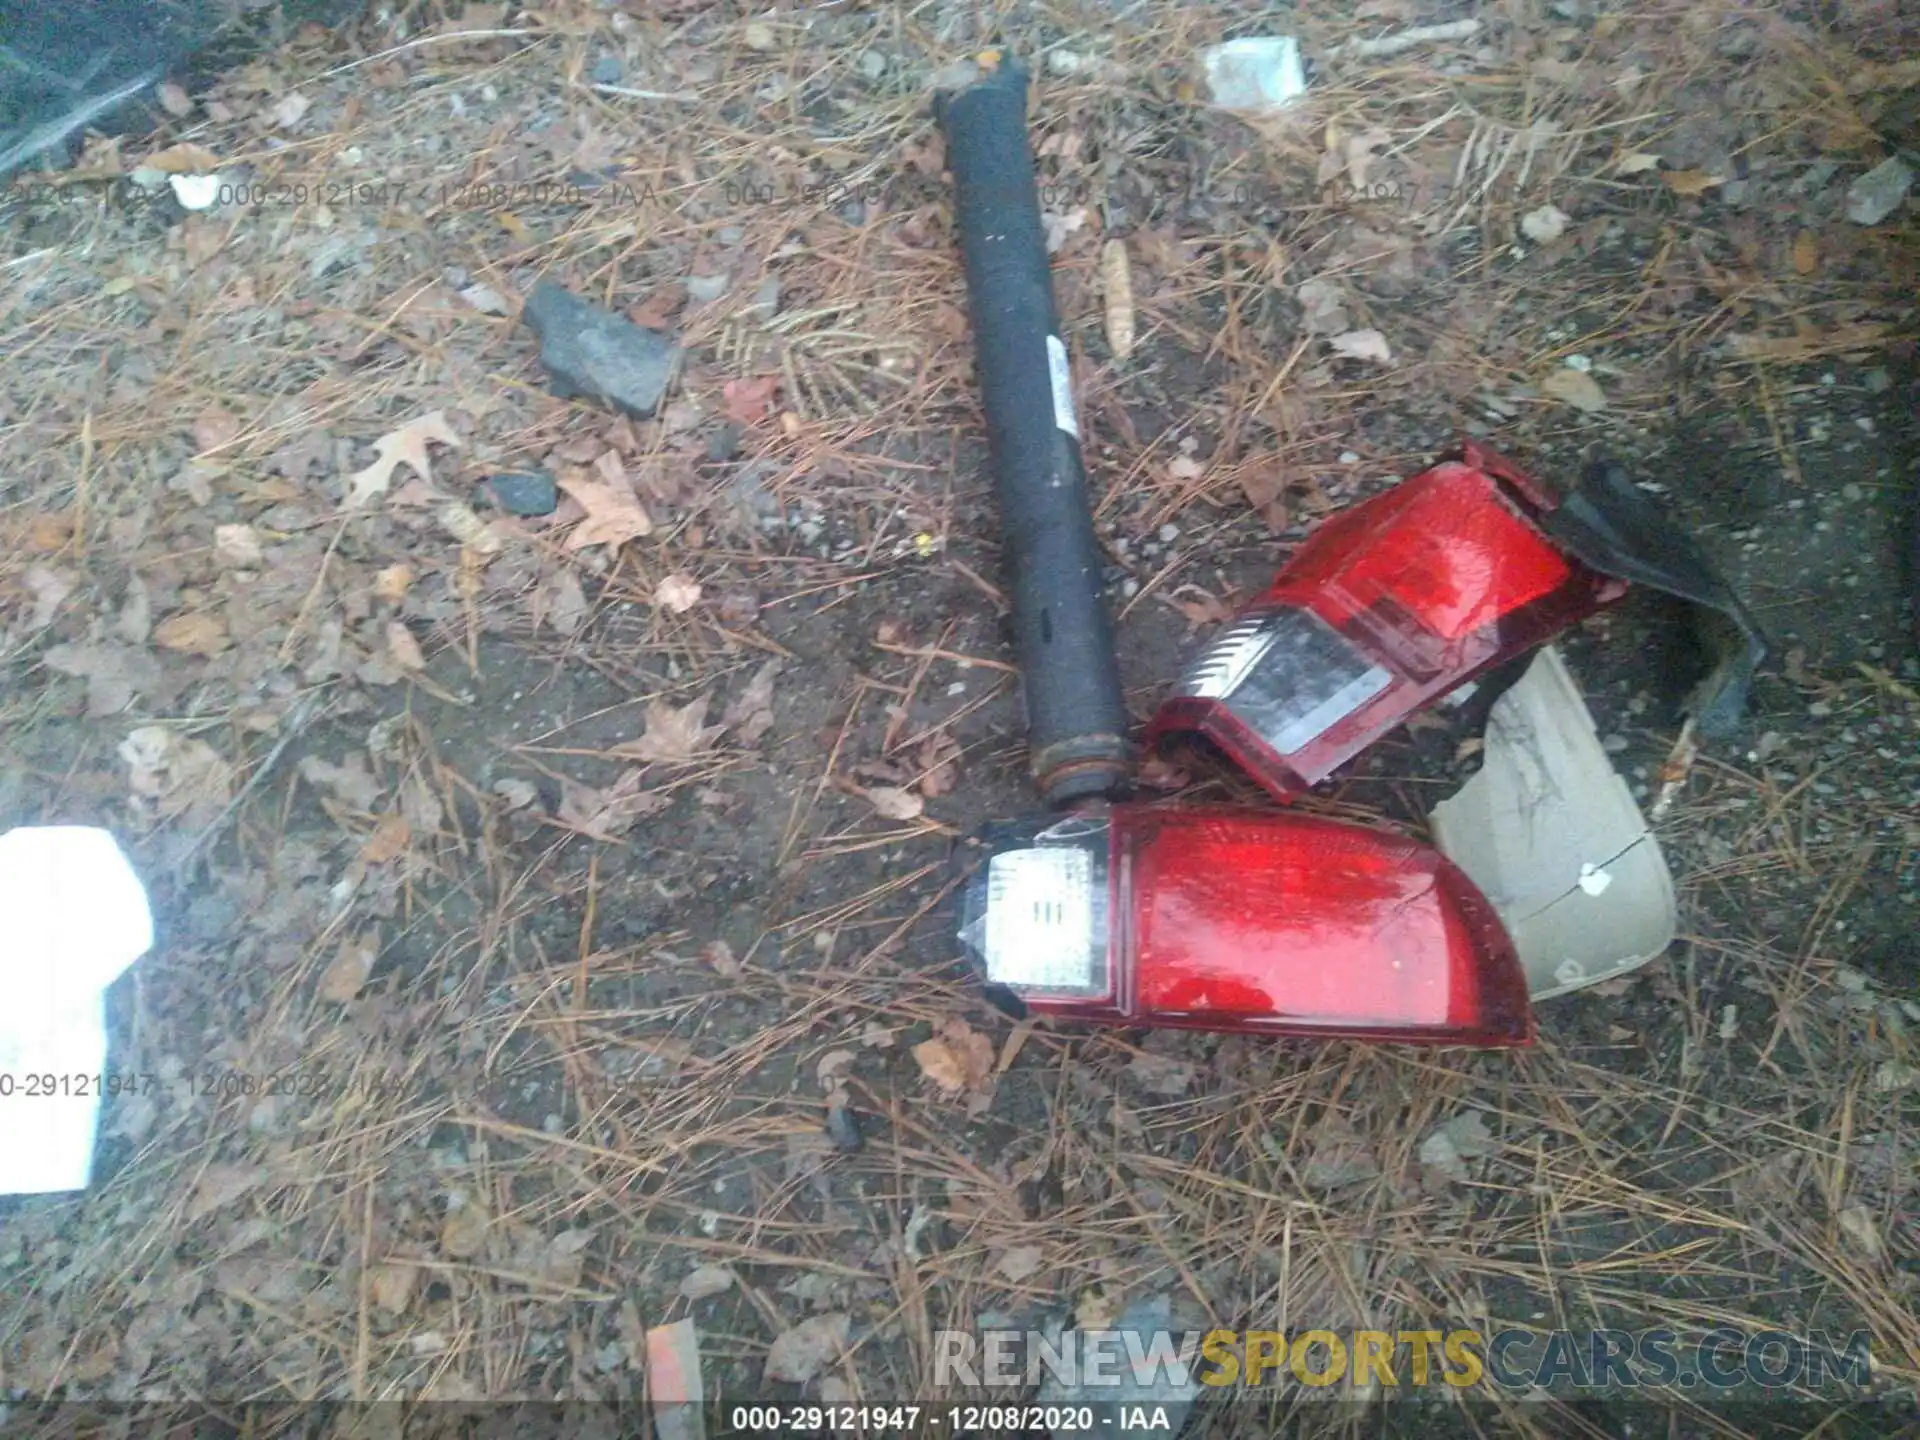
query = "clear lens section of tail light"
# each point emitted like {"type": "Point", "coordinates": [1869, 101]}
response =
{"type": "Point", "coordinates": [1287, 674]}
{"type": "Point", "coordinates": [1038, 913]}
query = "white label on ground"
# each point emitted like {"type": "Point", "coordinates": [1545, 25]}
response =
{"type": "Point", "coordinates": [1061, 375]}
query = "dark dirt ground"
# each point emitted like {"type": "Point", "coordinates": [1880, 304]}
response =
{"type": "Point", "coordinates": [588, 1084]}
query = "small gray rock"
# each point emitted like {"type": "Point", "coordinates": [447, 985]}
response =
{"type": "Point", "coordinates": [704, 288]}
{"type": "Point", "coordinates": [592, 354]}
{"type": "Point", "coordinates": [843, 1127]}
{"type": "Point", "coordinates": [873, 64]}
{"type": "Point", "coordinates": [724, 443]}
{"type": "Point", "coordinates": [1815, 177]}
{"type": "Point", "coordinates": [748, 493]}
{"type": "Point", "coordinates": [1878, 193]}
{"type": "Point", "coordinates": [523, 492]}
{"type": "Point", "coordinates": [607, 68]}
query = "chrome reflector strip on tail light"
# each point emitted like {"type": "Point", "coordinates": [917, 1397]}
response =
{"type": "Point", "coordinates": [1287, 673]}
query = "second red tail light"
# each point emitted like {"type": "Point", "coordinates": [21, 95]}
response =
{"type": "Point", "coordinates": [1385, 607]}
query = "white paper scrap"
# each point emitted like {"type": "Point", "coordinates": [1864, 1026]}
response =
{"type": "Point", "coordinates": [75, 917]}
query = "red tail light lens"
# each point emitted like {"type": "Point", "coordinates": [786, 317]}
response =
{"type": "Point", "coordinates": [1385, 607]}
{"type": "Point", "coordinates": [1243, 920]}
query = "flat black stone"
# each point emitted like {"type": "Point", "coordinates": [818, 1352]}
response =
{"type": "Point", "coordinates": [592, 354]}
{"type": "Point", "coordinates": [523, 492]}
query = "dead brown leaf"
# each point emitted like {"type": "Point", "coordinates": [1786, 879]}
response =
{"type": "Point", "coordinates": [1806, 253]}
{"type": "Point", "coordinates": [389, 841]}
{"type": "Point", "coordinates": [463, 1234]}
{"type": "Point", "coordinates": [958, 1058]}
{"type": "Point", "coordinates": [895, 803]}
{"type": "Point", "coordinates": [677, 594]}
{"type": "Point", "coordinates": [613, 516]}
{"type": "Point", "coordinates": [392, 583]}
{"type": "Point", "coordinates": [939, 760]}
{"type": "Point", "coordinates": [50, 588]}
{"type": "Point", "coordinates": [351, 782]}
{"type": "Point", "coordinates": [183, 159]}
{"type": "Point", "coordinates": [799, 1354]}
{"type": "Point", "coordinates": [1021, 1262]}
{"type": "Point", "coordinates": [406, 445]}
{"type": "Point", "coordinates": [114, 673]}
{"type": "Point", "coordinates": [237, 546]}
{"type": "Point", "coordinates": [608, 813]}
{"type": "Point", "coordinates": [404, 648]}
{"type": "Point", "coordinates": [1199, 607]}
{"type": "Point", "coordinates": [703, 1282]}
{"type": "Point", "coordinates": [134, 623]}
{"type": "Point", "coordinates": [750, 715]}
{"type": "Point", "coordinates": [656, 312]}
{"type": "Point", "coordinates": [1576, 388]}
{"type": "Point", "coordinates": [747, 401]}
{"type": "Point", "coordinates": [939, 1063]}
{"type": "Point", "coordinates": [1691, 182]}
{"type": "Point", "coordinates": [349, 968]}
{"type": "Point", "coordinates": [565, 601]}
{"type": "Point", "coordinates": [1263, 480]}
{"type": "Point", "coordinates": [719, 958]}
{"type": "Point", "coordinates": [215, 428]}
{"type": "Point", "coordinates": [49, 532]}
{"type": "Point", "coordinates": [195, 632]}
{"type": "Point", "coordinates": [675, 734]}
{"type": "Point", "coordinates": [174, 777]}
{"type": "Point", "coordinates": [391, 1285]}
{"type": "Point", "coordinates": [221, 1185]}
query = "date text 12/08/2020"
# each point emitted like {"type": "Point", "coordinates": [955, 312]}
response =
{"type": "Point", "coordinates": [305, 1083]}
{"type": "Point", "coordinates": [437, 195]}
{"type": "Point", "coordinates": [318, 192]}
{"type": "Point", "coordinates": [927, 1419]}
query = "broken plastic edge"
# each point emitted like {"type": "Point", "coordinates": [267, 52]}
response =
{"type": "Point", "coordinates": [1589, 830]}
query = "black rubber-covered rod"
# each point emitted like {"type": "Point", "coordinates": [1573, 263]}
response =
{"type": "Point", "coordinates": [1076, 716]}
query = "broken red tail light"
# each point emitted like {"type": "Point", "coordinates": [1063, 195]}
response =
{"type": "Point", "coordinates": [1226, 919]}
{"type": "Point", "coordinates": [1384, 608]}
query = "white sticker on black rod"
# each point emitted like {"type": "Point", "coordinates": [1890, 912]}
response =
{"type": "Point", "coordinates": [1061, 375]}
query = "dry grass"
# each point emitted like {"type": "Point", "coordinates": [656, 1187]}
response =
{"type": "Point", "coordinates": [616, 1106]}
